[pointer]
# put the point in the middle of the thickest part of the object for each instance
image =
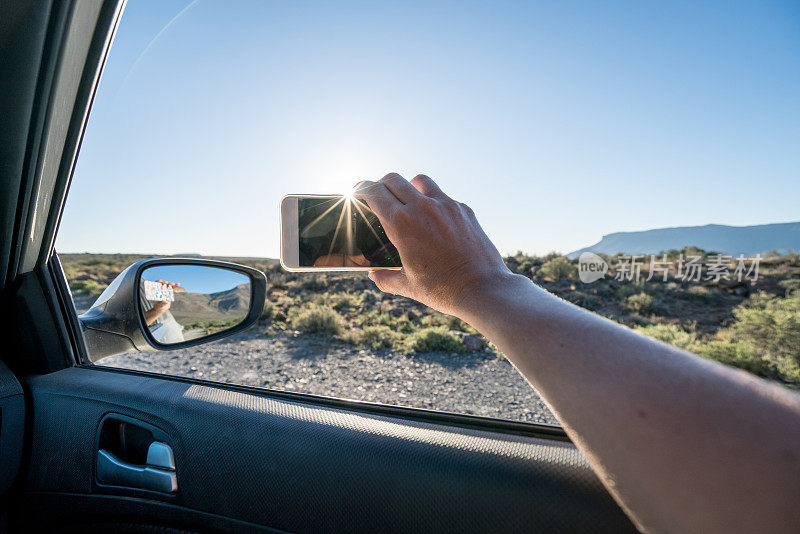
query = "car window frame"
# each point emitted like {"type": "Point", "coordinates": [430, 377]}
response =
{"type": "Point", "coordinates": [101, 43]}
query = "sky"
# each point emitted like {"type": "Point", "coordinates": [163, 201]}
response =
{"type": "Point", "coordinates": [557, 122]}
{"type": "Point", "coordinates": [197, 278]}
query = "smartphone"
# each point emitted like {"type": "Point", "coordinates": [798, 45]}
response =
{"type": "Point", "coordinates": [333, 233]}
{"type": "Point", "coordinates": [157, 291]}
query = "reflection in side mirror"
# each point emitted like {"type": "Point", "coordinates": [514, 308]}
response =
{"type": "Point", "coordinates": [171, 303]}
{"type": "Point", "coordinates": [180, 303]}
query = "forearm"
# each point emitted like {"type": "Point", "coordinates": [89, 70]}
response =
{"type": "Point", "coordinates": [151, 315]}
{"type": "Point", "coordinates": [683, 443]}
{"type": "Point", "coordinates": [671, 434]}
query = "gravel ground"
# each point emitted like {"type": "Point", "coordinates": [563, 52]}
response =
{"type": "Point", "coordinates": [475, 383]}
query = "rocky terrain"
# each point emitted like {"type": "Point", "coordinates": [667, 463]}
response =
{"type": "Point", "coordinates": [477, 383]}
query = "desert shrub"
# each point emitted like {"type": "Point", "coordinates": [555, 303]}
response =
{"type": "Point", "coordinates": [672, 334]}
{"type": "Point", "coordinates": [640, 302]}
{"type": "Point", "coordinates": [89, 287]}
{"type": "Point", "coordinates": [764, 339]}
{"type": "Point", "coordinates": [703, 294]}
{"type": "Point", "coordinates": [635, 319]}
{"type": "Point", "coordinates": [699, 291]}
{"type": "Point", "coordinates": [373, 317]}
{"type": "Point", "coordinates": [550, 256]}
{"type": "Point", "coordinates": [277, 280]}
{"type": "Point", "coordinates": [351, 336]}
{"type": "Point", "coordinates": [399, 323]}
{"type": "Point", "coordinates": [313, 283]}
{"type": "Point", "coordinates": [771, 325]}
{"type": "Point", "coordinates": [525, 268]}
{"type": "Point", "coordinates": [558, 268]}
{"type": "Point", "coordinates": [626, 290]}
{"type": "Point", "coordinates": [211, 327]}
{"type": "Point", "coordinates": [436, 319]}
{"type": "Point", "coordinates": [403, 324]}
{"type": "Point", "coordinates": [448, 321]}
{"type": "Point", "coordinates": [584, 300]}
{"type": "Point", "coordinates": [282, 301]}
{"type": "Point", "coordinates": [603, 291]}
{"type": "Point", "coordinates": [695, 251]}
{"type": "Point", "coordinates": [378, 337]}
{"type": "Point", "coordinates": [344, 301]}
{"type": "Point", "coordinates": [267, 312]}
{"type": "Point", "coordinates": [511, 262]}
{"type": "Point", "coordinates": [366, 318]}
{"type": "Point", "coordinates": [792, 284]}
{"type": "Point", "coordinates": [435, 339]}
{"type": "Point", "coordinates": [454, 323]}
{"type": "Point", "coordinates": [433, 319]}
{"type": "Point", "coordinates": [741, 354]}
{"type": "Point", "coordinates": [313, 318]}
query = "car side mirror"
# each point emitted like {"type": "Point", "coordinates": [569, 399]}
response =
{"type": "Point", "coordinates": [172, 303]}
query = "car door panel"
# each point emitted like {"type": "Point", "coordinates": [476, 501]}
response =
{"type": "Point", "coordinates": [304, 467]}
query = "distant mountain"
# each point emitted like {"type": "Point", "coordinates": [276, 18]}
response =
{"type": "Point", "coordinates": [202, 307]}
{"type": "Point", "coordinates": [735, 240]}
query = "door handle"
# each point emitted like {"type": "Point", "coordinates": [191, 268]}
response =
{"type": "Point", "coordinates": [158, 475]}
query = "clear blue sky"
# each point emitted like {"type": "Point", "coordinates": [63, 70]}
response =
{"type": "Point", "coordinates": [557, 122]}
{"type": "Point", "coordinates": [197, 279]}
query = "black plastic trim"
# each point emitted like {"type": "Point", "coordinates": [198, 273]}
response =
{"type": "Point", "coordinates": [105, 31]}
{"type": "Point", "coordinates": [38, 123]}
{"type": "Point", "coordinates": [68, 311]}
{"type": "Point", "coordinates": [51, 297]}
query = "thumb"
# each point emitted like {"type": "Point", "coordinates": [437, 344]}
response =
{"type": "Point", "coordinates": [389, 281]}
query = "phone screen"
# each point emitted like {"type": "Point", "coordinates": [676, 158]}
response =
{"type": "Point", "coordinates": [342, 232]}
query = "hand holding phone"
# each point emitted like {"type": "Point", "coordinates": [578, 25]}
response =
{"type": "Point", "coordinates": [447, 257]}
{"type": "Point", "coordinates": [158, 291]}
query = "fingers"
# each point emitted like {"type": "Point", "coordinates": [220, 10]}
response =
{"type": "Point", "coordinates": [394, 282]}
{"type": "Point", "coordinates": [400, 187]}
{"type": "Point", "coordinates": [427, 187]}
{"type": "Point", "coordinates": [378, 198]}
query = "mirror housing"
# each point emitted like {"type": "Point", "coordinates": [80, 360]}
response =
{"type": "Point", "coordinates": [113, 325]}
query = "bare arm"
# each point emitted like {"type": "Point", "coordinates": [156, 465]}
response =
{"type": "Point", "coordinates": [158, 309]}
{"type": "Point", "coordinates": [160, 306]}
{"type": "Point", "coordinates": [683, 443]}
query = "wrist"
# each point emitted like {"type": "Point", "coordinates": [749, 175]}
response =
{"type": "Point", "coordinates": [501, 288]}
